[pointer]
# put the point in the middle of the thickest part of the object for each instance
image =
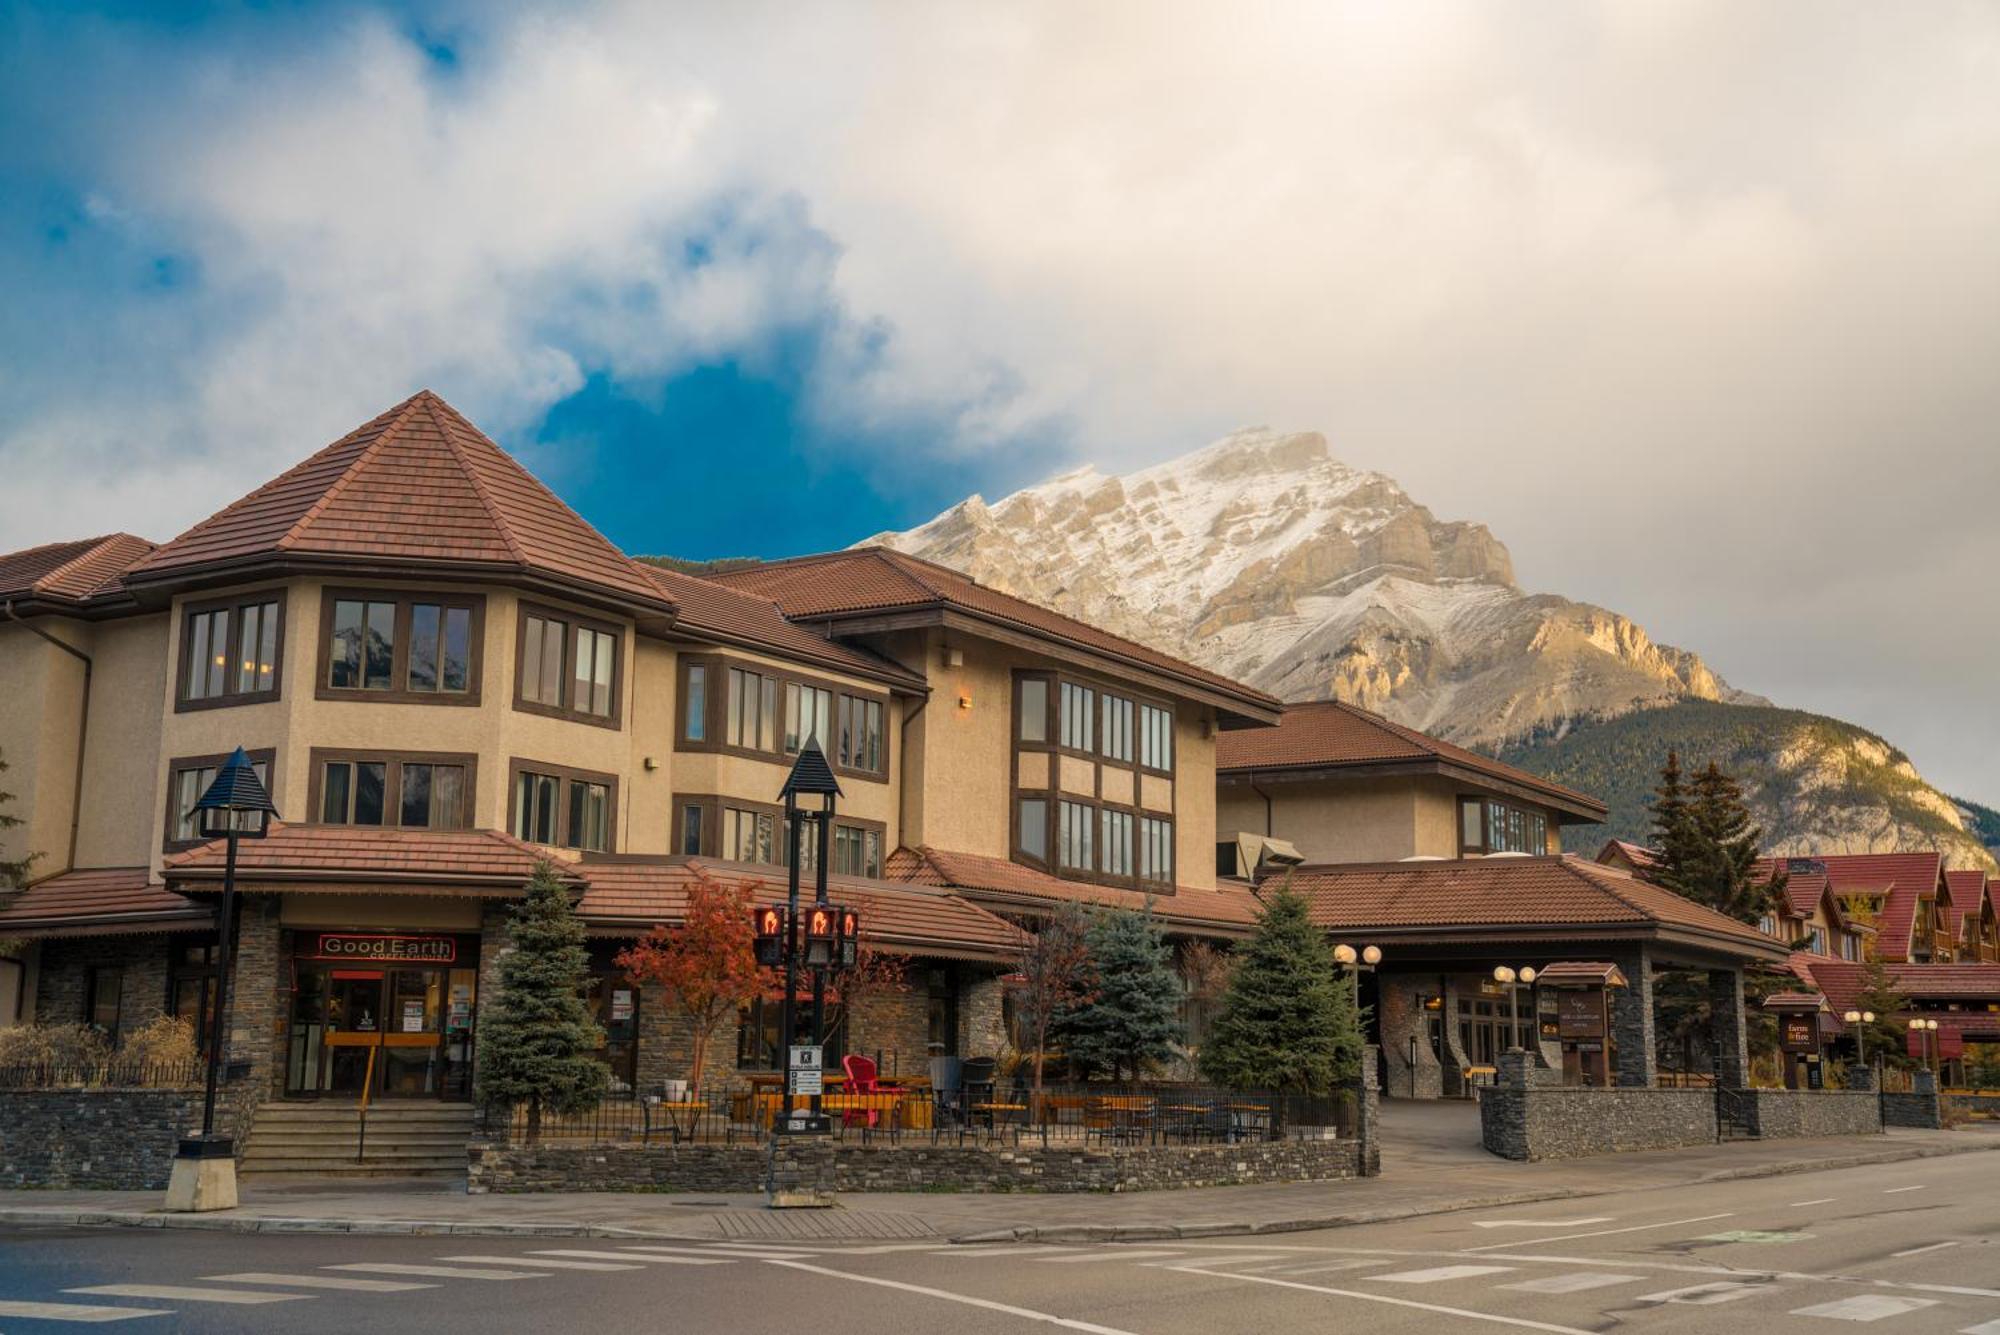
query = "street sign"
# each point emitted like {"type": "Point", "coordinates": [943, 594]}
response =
{"type": "Point", "coordinates": [806, 1057]}
{"type": "Point", "coordinates": [803, 1081]}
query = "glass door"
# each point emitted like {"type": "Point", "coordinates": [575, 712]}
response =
{"type": "Point", "coordinates": [353, 1027]}
{"type": "Point", "coordinates": [413, 1034]}
{"type": "Point", "coordinates": [305, 1072]}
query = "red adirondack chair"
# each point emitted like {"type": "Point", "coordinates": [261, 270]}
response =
{"type": "Point", "coordinates": [860, 1080]}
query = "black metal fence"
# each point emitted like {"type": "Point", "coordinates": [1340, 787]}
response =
{"type": "Point", "coordinates": [1087, 1115]}
{"type": "Point", "coordinates": [113, 1074]}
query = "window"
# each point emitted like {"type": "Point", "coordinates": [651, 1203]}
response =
{"type": "Point", "coordinates": [749, 836]}
{"type": "Point", "coordinates": [757, 1041]}
{"type": "Point", "coordinates": [753, 711]}
{"type": "Point", "coordinates": [1115, 848]}
{"type": "Point", "coordinates": [1817, 938]}
{"type": "Point", "coordinates": [691, 829]}
{"type": "Point", "coordinates": [187, 780]}
{"type": "Point", "coordinates": [694, 711]}
{"type": "Point", "coordinates": [808, 844]}
{"type": "Point", "coordinates": [1156, 738]}
{"type": "Point", "coordinates": [191, 987]}
{"type": "Point", "coordinates": [103, 998]}
{"type": "Point", "coordinates": [808, 714]}
{"type": "Point", "coordinates": [1079, 703]}
{"type": "Point", "coordinates": [565, 807]}
{"type": "Point", "coordinates": [1117, 743]}
{"type": "Point", "coordinates": [860, 734]}
{"type": "Point", "coordinates": [1487, 825]}
{"type": "Point", "coordinates": [1074, 822]}
{"type": "Point", "coordinates": [229, 652]}
{"type": "Point", "coordinates": [1156, 850]}
{"type": "Point", "coordinates": [415, 791]}
{"type": "Point", "coordinates": [1034, 715]}
{"type": "Point", "coordinates": [1768, 924]}
{"type": "Point", "coordinates": [364, 645]}
{"type": "Point", "coordinates": [567, 666]}
{"type": "Point", "coordinates": [353, 792]}
{"type": "Point", "coordinates": [856, 852]}
{"type": "Point", "coordinates": [440, 648]}
{"type": "Point", "coordinates": [1035, 828]}
{"type": "Point", "coordinates": [405, 648]}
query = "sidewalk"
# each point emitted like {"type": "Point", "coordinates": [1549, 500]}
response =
{"type": "Point", "coordinates": [1426, 1169]}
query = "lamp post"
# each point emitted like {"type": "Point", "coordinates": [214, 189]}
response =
{"type": "Point", "coordinates": [1513, 978]}
{"type": "Point", "coordinates": [1927, 1041]}
{"type": "Point", "coordinates": [236, 806]}
{"type": "Point", "coordinates": [1857, 1019]}
{"type": "Point", "coordinates": [1354, 961]}
{"type": "Point", "coordinates": [810, 776]}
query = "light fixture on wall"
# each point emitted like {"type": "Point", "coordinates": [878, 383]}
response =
{"type": "Point", "coordinates": [954, 658]}
{"type": "Point", "coordinates": [965, 701]}
{"type": "Point", "coordinates": [651, 764]}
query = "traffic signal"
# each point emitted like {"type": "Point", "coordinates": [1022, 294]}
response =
{"type": "Point", "coordinates": [821, 935]}
{"type": "Point", "coordinates": [770, 922]}
{"type": "Point", "coordinates": [850, 937]}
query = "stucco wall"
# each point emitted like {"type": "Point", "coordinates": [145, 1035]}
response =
{"type": "Point", "coordinates": [1329, 820]}
{"type": "Point", "coordinates": [38, 740]}
{"type": "Point", "coordinates": [128, 680]}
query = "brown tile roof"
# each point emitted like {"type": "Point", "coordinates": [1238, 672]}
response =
{"type": "Point", "coordinates": [1641, 857]}
{"type": "Point", "coordinates": [1968, 892]}
{"type": "Point", "coordinates": [710, 610]}
{"type": "Point", "coordinates": [864, 580]}
{"type": "Point", "coordinates": [1577, 973]}
{"type": "Point", "coordinates": [71, 572]}
{"type": "Point", "coordinates": [1900, 880]}
{"type": "Point", "coordinates": [350, 853]}
{"type": "Point", "coordinates": [1483, 894]}
{"type": "Point", "coordinates": [98, 901]}
{"type": "Point", "coordinates": [1779, 1001]}
{"type": "Point", "coordinates": [419, 483]}
{"type": "Point", "coordinates": [1331, 734]}
{"type": "Point", "coordinates": [1843, 981]}
{"type": "Point", "coordinates": [634, 895]}
{"type": "Point", "coordinates": [1229, 909]}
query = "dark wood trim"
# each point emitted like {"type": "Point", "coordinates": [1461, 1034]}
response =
{"type": "Point", "coordinates": [572, 621]}
{"type": "Point", "coordinates": [392, 782]}
{"type": "Point", "coordinates": [715, 713]}
{"type": "Point", "coordinates": [517, 766]}
{"type": "Point", "coordinates": [399, 657]}
{"type": "Point", "coordinates": [1485, 847]}
{"type": "Point", "coordinates": [168, 844]}
{"type": "Point", "coordinates": [711, 712]}
{"type": "Point", "coordinates": [714, 804]}
{"type": "Point", "coordinates": [279, 594]}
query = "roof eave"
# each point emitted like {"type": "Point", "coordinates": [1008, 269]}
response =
{"type": "Point", "coordinates": [1577, 810]}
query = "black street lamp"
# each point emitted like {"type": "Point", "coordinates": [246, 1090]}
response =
{"type": "Point", "coordinates": [810, 776]}
{"type": "Point", "coordinates": [236, 806]}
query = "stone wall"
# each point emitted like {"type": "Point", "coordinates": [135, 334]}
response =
{"type": "Point", "coordinates": [1403, 1018]}
{"type": "Point", "coordinates": [100, 1139]}
{"type": "Point", "coordinates": [1773, 1114]}
{"type": "Point", "coordinates": [1921, 1107]}
{"type": "Point", "coordinates": [916, 1166]}
{"type": "Point", "coordinates": [1563, 1122]}
{"type": "Point", "coordinates": [140, 962]}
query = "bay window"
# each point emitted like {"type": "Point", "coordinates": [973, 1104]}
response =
{"type": "Point", "coordinates": [568, 808]}
{"type": "Point", "coordinates": [187, 779]}
{"type": "Point", "coordinates": [418, 791]}
{"type": "Point", "coordinates": [229, 651]}
{"type": "Point", "coordinates": [1489, 825]}
{"type": "Point", "coordinates": [808, 715]}
{"type": "Point", "coordinates": [568, 666]}
{"type": "Point", "coordinates": [400, 647]}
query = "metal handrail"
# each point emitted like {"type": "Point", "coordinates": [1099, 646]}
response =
{"type": "Point", "coordinates": [367, 1088]}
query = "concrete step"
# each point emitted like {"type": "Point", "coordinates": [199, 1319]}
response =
{"type": "Point", "coordinates": [322, 1139]}
{"type": "Point", "coordinates": [304, 1168]}
{"type": "Point", "coordinates": [269, 1142]}
{"type": "Point", "coordinates": [347, 1112]}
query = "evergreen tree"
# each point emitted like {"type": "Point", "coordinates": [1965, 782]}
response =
{"type": "Point", "coordinates": [1133, 1013]}
{"type": "Point", "coordinates": [1673, 823]}
{"type": "Point", "coordinates": [1288, 1020]}
{"type": "Point", "coordinates": [1725, 875]}
{"type": "Point", "coordinates": [1885, 1036]}
{"type": "Point", "coordinates": [537, 1042]}
{"type": "Point", "coordinates": [13, 872]}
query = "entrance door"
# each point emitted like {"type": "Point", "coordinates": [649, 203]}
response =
{"type": "Point", "coordinates": [353, 1028]}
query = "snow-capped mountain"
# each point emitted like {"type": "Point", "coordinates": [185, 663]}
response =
{"type": "Point", "coordinates": [1264, 557]}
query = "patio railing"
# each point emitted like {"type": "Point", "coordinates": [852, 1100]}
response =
{"type": "Point", "coordinates": [101, 1074]}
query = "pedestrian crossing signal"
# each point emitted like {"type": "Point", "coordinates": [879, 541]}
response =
{"type": "Point", "coordinates": [821, 927]}
{"type": "Point", "coordinates": [849, 938]}
{"type": "Point", "coordinates": [770, 921]}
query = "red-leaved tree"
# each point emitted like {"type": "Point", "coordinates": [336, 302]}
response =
{"type": "Point", "coordinates": [705, 969]}
{"type": "Point", "coordinates": [1052, 978]}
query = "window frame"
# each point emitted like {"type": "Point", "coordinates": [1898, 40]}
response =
{"type": "Point", "coordinates": [234, 605]}
{"type": "Point", "coordinates": [1140, 706]}
{"type": "Point", "coordinates": [621, 639]}
{"type": "Point", "coordinates": [713, 805]}
{"type": "Point", "coordinates": [264, 755]}
{"type": "Point", "coordinates": [1486, 802]}
{"type": "Point", "coordinates": [398, 691]}
{"type": "Point", "coordinates": [392, 783]}
{"type": "Point", "coordinates": [565, 775]}
{"type": "Point", "coordinates": [716, 670]}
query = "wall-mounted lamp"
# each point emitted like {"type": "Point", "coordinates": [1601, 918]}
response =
{"type": "Point", "coordinates": [954, 658]}
{"type": "Point", "coordinates": [651, 764]}
{"type": "Point", "coordinates": [965, 700]}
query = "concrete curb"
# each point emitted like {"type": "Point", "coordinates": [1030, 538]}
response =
{"type": "Point", "coordinates": [223, 1222]}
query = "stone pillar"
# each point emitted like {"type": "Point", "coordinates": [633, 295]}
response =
{"type": "Point", "coordinates": [1367, 1126]}
{"type": "Point", "coordinates": [1859, 1077]}
{"type": "Point", "coordinates": [1726, 1024]}
{"type": "Point", "coordinates": [257, 1024]}
{"type": "Point", "coordinates": [1400, 1001]}
{"type": "Point", "coordinates": [982, 1031]}
{"type": "Point", "coordinates": [1632, 1017]}
{"type": "Point", "coordinates": [1453, 1057]}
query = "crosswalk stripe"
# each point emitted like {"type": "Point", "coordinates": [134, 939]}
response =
{"type": "Point", "coordinates": [1244, 1259]}
{"type": "Point", "coordinates": [1983, 1328]}
{"type": "Point", "coordinates": [696, 1251]}
{"type": "Point", "coordinates": [1383, 1298]}
{"type": "Point", "coordinates": [79, 1312]}
{"type": "Point", "coordinates": [182, 1293]}
{"type": "Point", "coordinates": [1866, 1307]}
{"type": "Point", "coordinates": [542, 1263]}
{"type": "Point", "coordinates": [318, 1282]}
{"type": "Point", "coordinates": [1928, 1247]}
{"type": "Point", "coordinates": [1574, 1283]}
{"type": "Point", "coordinates": [1437, 1273]}
{"type": "Point", "coordinates": [629, 1257]}
{"type": "Point", "coordinates": [1030, 1249]}
{"type": "Point", "coordinates": [438, 1271]}
{"type": "Point", "coordinates": [1702, 1295]}
{"type": "Point", "coordinates": [1897, 1191]}
{"type": "Point", "coordinates": [1088, 1257]}
{"type": "Point", "coordinates": [1331, 1267]}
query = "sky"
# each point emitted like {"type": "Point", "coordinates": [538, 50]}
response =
{"type": "Point", "coordinates": [1697, 305]}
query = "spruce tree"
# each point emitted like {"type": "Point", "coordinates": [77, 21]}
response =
{"type": "Point", "coordinates": [13, 872]}
{"type": "Point", "coordinates": [1724, 874]}
{"type": "Point", "coordinates": [537, 1042]}
{"type": "Point", "coordinates": [1288, 1021]}
{"type": "Point", "coordinates": [1132, 1017]}
{"type": "Point", "coordinates": [1884, 1036]}
{"type": "Point", "coordinates": [1673, 824]}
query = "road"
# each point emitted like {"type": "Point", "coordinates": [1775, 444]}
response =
{"type": "Point", "coordinates": [1907, 1249]}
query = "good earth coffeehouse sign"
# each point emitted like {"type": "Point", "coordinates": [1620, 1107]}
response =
{"type": "Point", "coordinates": [383, 948]}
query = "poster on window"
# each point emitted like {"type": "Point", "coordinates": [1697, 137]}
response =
{"type": "Point", "coordinates": [621, 1004]}
{"type": "Point", "coordinates": [413, 1016]}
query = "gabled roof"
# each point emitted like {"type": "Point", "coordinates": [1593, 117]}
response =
{"type": "Point", "coordinates": [1334, 735]}
{"type": "Point", "coordinates": [1968, 898]}
{"type": "Point", "coordinates": [1899, 880]}
{"type": "Point", "coordinates": [419, 484]}
{"type": "Point", "coordinates": [63, 574]}
{"type": "Point", "coordinates": [1842, 981]}
{"type": "Point", "coordinates": [714, 612]}
{"type": "Point", "coordinates": [1227, 910]}
{"type": "Point", "coordinates": [1642, 858]}
{"type": "Point", "coordinates": [101, 901]}
{"type": "Point", "coordinates": [1544, 896]}
{"type": "Point", "coordinates": [866, 582]}
{"type": "Point", "coordinates": [351, 855]}
{"type": "Point", "coordinates": [632, 895]}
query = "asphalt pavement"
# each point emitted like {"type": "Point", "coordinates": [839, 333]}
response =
{"type": "Point", "coordinates": [1907, 1249]}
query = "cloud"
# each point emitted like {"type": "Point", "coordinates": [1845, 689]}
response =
{"type": "Point", "coordinates": [1695, 304]}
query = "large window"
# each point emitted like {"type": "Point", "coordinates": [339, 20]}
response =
{"type": "Point", "coordinates": [1079, 706]}
{"type": "Point", "coordinates": [1117, 743]}
{"type": "Point", "coordinates": [1114, 849]}
{"type": "Point", "coordinates": [1033, 712]}
{"type": "Point", "coordinates": [104, 999]}
{"type": "Point", "coordinates": [1075, 846]}
{"type": "Point", "coordinates": [749, 836]}
{"type": "Point", "coordinates": [762, 711]}
{"type": "Point", "coordinates": [1488, 825]}
{"type": "Point", "coordinates": [808, 714]}
{"type": "Point", "coordinates": [230, 651]}
{"type": "Point", "coordinates": [1156, 850]}
{"type": "Point", "coordinates": [1034, 828]}
{"type": "Point", "coordinates": [856, 852]}
{"type": "Point", "coordinates": [564, 807]}
{"type": "Point", "coordinates": [1156, 738]}
{"type": "Point", "coordinates": [568, 666]}
{"type": "Point", "coordinates": [402, 647]}
{"type": "Point", "coordinates": [187, 779]}
{"type": "Point", "coordinates": [694, 704]}
{"type": "Point", "coordinates": [191, 989]}
{"type": "Point", "coordinates": [752, 721]}
{"type": "Point", "coordinates": [860, 734]}
{"type": "Point", "coordinates": [414, 790]}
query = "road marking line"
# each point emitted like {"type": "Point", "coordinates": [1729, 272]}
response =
{"type": "Point", "coordinates": [1331, 1267]}
{"type": "Point", "coordinates": [1822, 1200]}
{"type": "Point", "coordinates": [1940, 1288]}
{"type": "Point", "coordinates": [436, 1271]}
{"type": "Point", "coordinates": [747, 1253]}
{"type": "Point", "coordinates": [1382, 1298]}
{"type": "Point", "coordinates": [1702, 1295]}
{"type": "Point", "coordinates": [1025, 1249]}
{"type": "Point", "coordinates": [1983, 1328]}
{"type": "Point", "coordinates": [1244, 1258]}
{"type": "Point", "coordinates": [1544, 1223]}
{"type": "Point", "coordinates": [1891, 1191]}
{"type": "Point", "coordinates": [1578, 1282]}
{"type": "Point", "coordinates": [1607, 1232]}
{"type": "Point", "coordinates": [1933, 1247]}
{"type": "Point", "coordinates": [1438, 1273]}
{"type": "Point", "coordinates": [542, 1263]}
{"type": "Point", "coordinates": [182, 1293]}
{"type": "Point", "coordinates": [1866, 1307]}
{"type": "Point", "coordinates": [318, 1282]}
{"type": "Point", "coordinates": [1088, 1257]}
{"type": "Point", "coordinates": [626, 1258]}
{"type": "Point", "coordinates": [79, 1312]}
{"type": "Point", "coordinates": [1754, 1235]}
{"type": "Point", "coordinates": [764, 1250]}
{"type": "Point", "coordinates": [1026, 1313]}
